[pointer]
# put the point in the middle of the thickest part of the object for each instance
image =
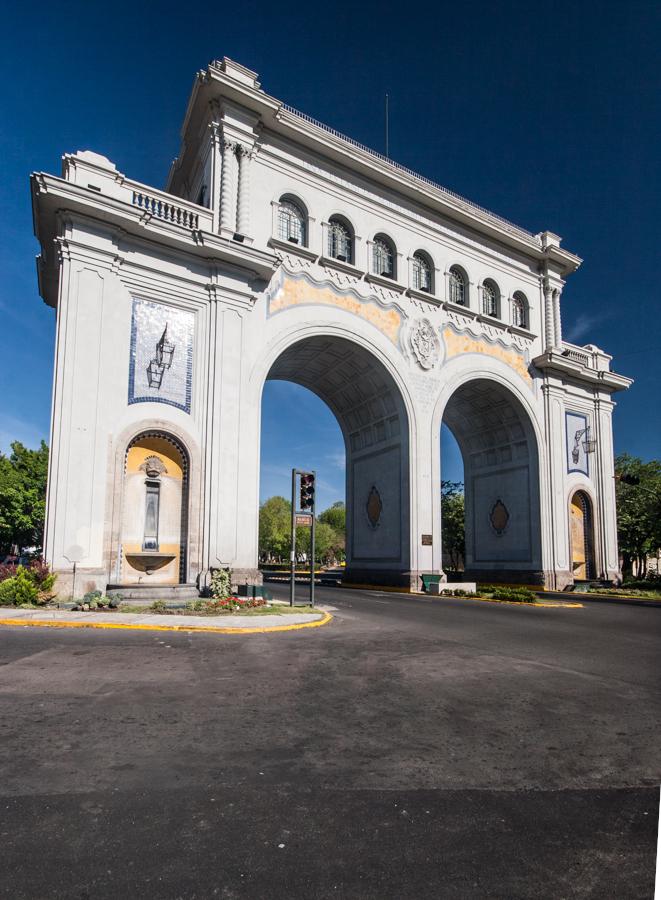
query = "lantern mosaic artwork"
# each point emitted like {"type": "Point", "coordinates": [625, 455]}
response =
{"type": "Point", "coordinates": [579, 442]}
{"type": "Point", "coordinates": [161, 361]}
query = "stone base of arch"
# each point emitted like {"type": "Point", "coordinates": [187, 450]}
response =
{"type": "Point", "coordinates": [508, 576]}
{"type": "Point", "coordinates": [87, 579]}
{"type": "Point", "coordinates": [403, 578]}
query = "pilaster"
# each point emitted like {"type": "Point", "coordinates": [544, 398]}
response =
{"type": "Point", "coordinates": [605, 483]}
{"type": "Point", "coordinates": [245, 156]}
{"type": "Point", "coordinates": [549, 323]}
{"type": "Point", "coordinates": [227, 180]}
{"type": "Point", "coordinates": [557, 319]}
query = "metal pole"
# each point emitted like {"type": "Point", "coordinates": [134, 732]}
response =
{"type": "Point", "coordinates": [312, 535]}
{"type": "Point", "coordinates": [292, 582]}
{"type": "Point", "coordinates": [387, 129]}
{"type": "Point", "coordinates": [73, 584]}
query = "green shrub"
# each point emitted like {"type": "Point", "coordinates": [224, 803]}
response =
{"type": "Point", "coordinates": [18, 590]}
{"type": "Point", "coordinates": [221, 584]}
{"type": "Point", "coordinates": [158, 606]}
{"type": "Point", "coordinates": [7, 588]}
{"type": "Point", "coordinates": [517, 595]}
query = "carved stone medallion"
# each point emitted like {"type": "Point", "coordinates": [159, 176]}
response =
{"type": "Point", "coordinates": [424, 343]}
{"type": "Point", "coordinates": [499, 517]}
{"type": "Point", "coordinates": [374, 507]}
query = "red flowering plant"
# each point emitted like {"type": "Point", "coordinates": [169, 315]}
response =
{"type": "Point", "coordinates": [229, 604]}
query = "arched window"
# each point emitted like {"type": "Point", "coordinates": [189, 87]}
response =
{"type": "Point", "coordinates": [458, 286]}
{"type": "Point", "coordinates": [490, 298]}
{"type": "Point", "coordinates": [291, 222]}
{"type": "Point", "coordinates": [340, 240]}
{"type": "Point", "coordinates": [421, 272]}
{"type": "Point", "coordinates": [519, 310]}
{"type": "Point", "coordinates": [383, 257]}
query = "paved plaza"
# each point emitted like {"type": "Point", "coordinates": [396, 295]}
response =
{"type": "Point", "coordinates": [411, 748]}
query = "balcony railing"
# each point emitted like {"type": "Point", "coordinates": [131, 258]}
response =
{"type": "Point", "coordinates": [578, 354]}
{"type": "Point", "coordinates": [162, 207]}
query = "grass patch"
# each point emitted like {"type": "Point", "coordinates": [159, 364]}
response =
{"type": "Point", "coordinates": [216, 613]}
{"type": "Point", "coordinates": [627, 591]}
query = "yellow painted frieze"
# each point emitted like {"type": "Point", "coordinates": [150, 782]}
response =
{"type": "Point", "coordinates": [302, 292]}
{"type": "Point", "coordinates": [457, 343]}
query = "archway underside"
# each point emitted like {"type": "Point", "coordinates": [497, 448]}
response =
{"type": "Point", "coordinates": [501, 471]}
{"type": "Point", "coordinates": [368, 406]}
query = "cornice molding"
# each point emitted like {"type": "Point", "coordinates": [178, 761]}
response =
{"type": "Point", "coordinates": [555, 363]}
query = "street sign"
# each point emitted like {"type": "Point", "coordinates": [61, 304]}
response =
{"type": "Point", "coordinates": [303, 520]}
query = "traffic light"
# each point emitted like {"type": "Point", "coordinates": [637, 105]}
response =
{"type": "Point", "coordinates": [307, 491]}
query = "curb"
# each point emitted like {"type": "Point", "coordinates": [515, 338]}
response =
{"type": "Point", "coordinates": [125, 626]}
{"type": "Point", "coordinates": [622, 601]}
{"type": "Point", "coordinates": [537, 605]}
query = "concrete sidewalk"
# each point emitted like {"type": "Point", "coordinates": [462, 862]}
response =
{"type": "Point", "coordinates": [229, 624]}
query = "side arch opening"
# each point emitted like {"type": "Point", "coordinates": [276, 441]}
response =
{"type": "Point", "coordinates": [501, 483]}
{"type": "Point", "coordinates": [368, 406]}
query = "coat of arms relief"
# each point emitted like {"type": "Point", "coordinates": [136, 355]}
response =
{"type": "Point", "coordinates": [424, 343]}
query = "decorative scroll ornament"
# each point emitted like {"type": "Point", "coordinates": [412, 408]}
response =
{"type": "Point", "coordinates": [374, 507]}
{"type": "Point", "coordinates": [154, 467]}
{"type": "Point", "coordinates": [424, 343]}
{"type": "Point", "coordinates": [499, 517]}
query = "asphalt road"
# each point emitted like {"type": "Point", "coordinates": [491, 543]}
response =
{"type": "Point", "coordinates": [414, 748]}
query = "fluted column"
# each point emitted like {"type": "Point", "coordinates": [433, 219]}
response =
{"type": "Point", "coordinates": [226, 179]}
{"type": "Point", "coordinates": [245, 155]}
{"type": "Point", "coordinates": [557, 321]}
{"type": "Point", "coordinates": [549, 330]}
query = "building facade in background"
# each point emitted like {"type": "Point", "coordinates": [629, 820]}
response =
{"type": "Point", "coordinates": [281, 249]}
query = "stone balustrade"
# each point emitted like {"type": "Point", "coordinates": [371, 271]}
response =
{"type": "Point", "coordinates": [161, 206]}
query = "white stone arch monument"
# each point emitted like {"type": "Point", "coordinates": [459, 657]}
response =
{"type": "Point", "coordinates": [174, 306]}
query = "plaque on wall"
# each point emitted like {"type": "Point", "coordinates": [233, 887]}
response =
{"type": "Point", "coordinates": [161, 359]}
{"type": "Point", "coordinates": [427, 540]}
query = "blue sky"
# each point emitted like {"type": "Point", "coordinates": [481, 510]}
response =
{"type": "Point", "coordinates": [548, 115]}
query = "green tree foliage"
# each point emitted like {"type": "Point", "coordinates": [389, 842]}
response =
{"type": "Point", "coordinates": [335, 516]}
{"type": "Point", "coordinates": [452, 522]}
{"type": "Point", "coordinates": [275, 531]}
{"type": "Point", "coordinates": [638, 494]}
{"type": "Point", "coordinates": [22, 497]}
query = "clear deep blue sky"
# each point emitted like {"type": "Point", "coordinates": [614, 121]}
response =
{"type": "Point", "coordinates": [545, 113]}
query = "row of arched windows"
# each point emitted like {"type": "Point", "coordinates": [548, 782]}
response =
{"type": "Point", "coordinates": [292, 227]}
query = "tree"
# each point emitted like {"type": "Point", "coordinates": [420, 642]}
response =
{"type": "Point", "coordinates": [452, 522]}
{"type": "Point", "coordinates": [638, 496]}
{"type": "Point", "coordinates": [324, 539]}
{"type": "Point", "coordinates": [275, 528]}
{"type": "Point", "coordinates": [23, 476]}
{"type": "Point", "coordinates": [336, 517]}
{"type": "Point", "coordinates": [275, 532]}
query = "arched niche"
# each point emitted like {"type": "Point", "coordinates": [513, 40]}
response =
{"type": "Point", "coordinates": [581, 531]}
{"type": "Point", "coordinates": [154, 527]}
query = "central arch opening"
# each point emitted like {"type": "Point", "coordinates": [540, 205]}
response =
{"type": "Point", "coordinates": [501, 483]}
{"type": "Point", "coordinates": [368, 407]}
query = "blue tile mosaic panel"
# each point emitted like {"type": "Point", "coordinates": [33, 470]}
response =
{"type": "Point", "coordinates": [576, 426]}
{"type": "Point", "coordinates": [161, 361]}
